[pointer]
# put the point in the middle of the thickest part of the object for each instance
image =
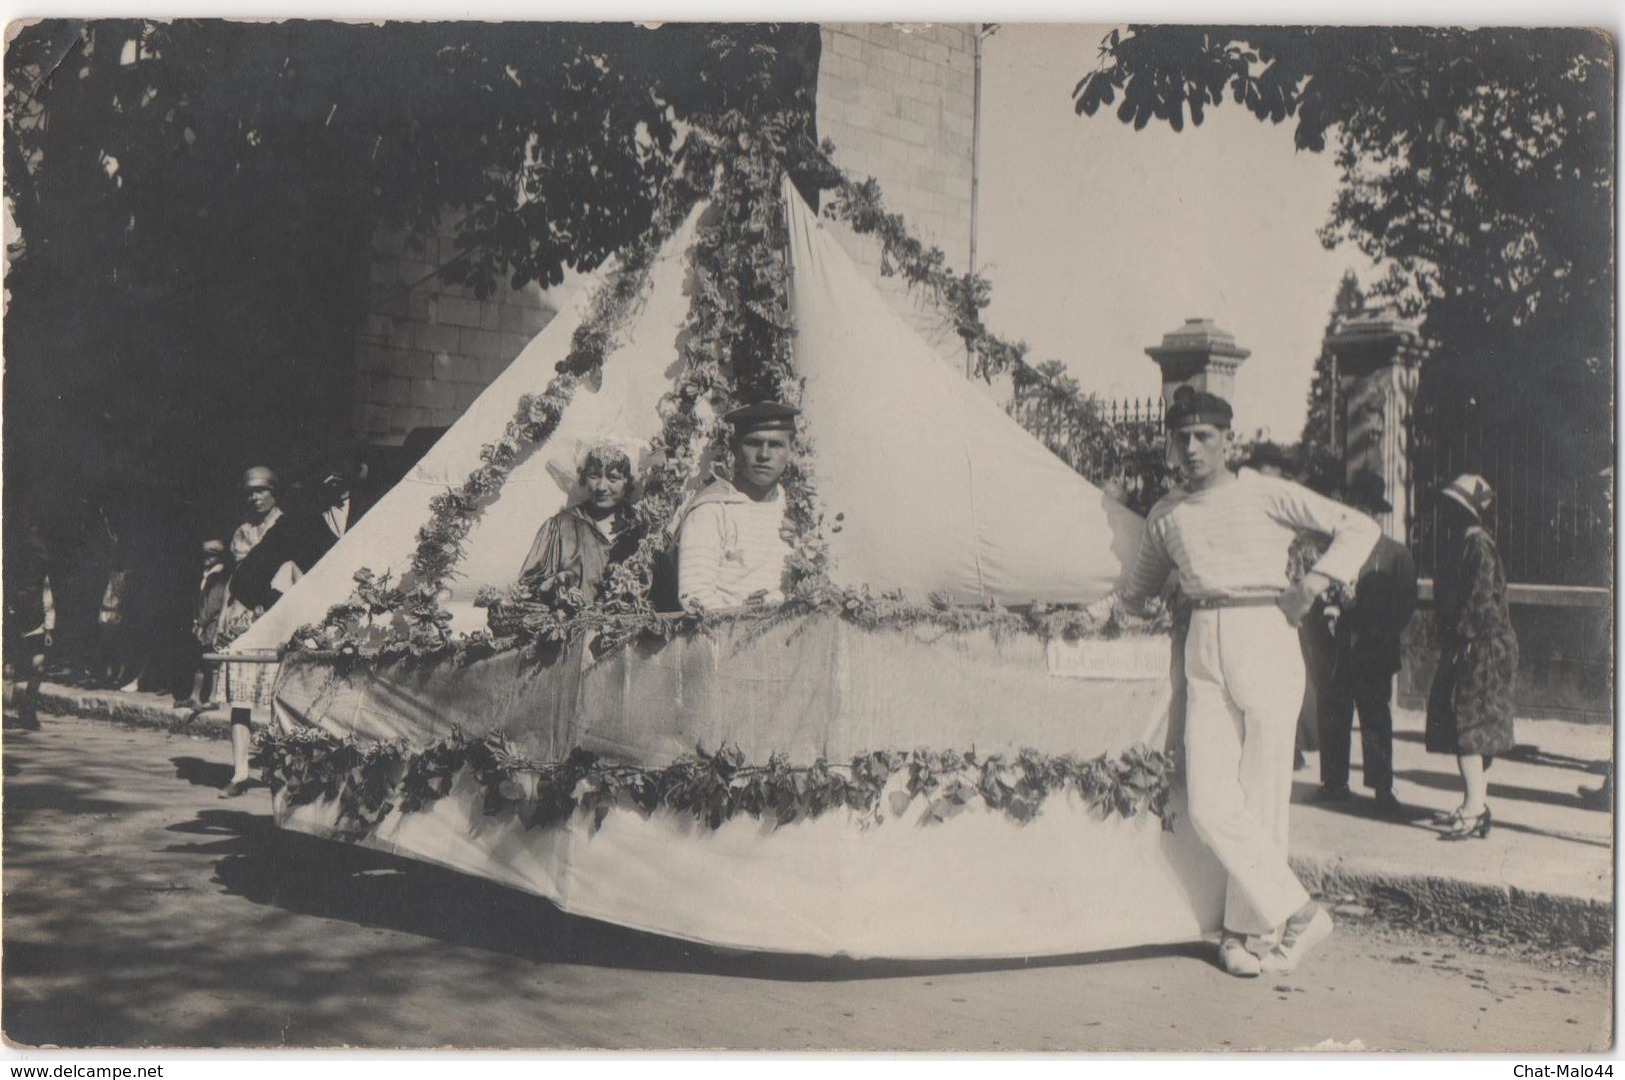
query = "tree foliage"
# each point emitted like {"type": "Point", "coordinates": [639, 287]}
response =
{"type": "Point", "coordinates": [1478, 168]}
{"type": "Point", "coordinates": [1322, 438]}
{"type": "Point", "coordinates": [196, 201]}
{"type": "Point", "coordinates": [1478, 164]}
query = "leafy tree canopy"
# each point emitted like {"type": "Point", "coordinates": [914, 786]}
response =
{"type": "Point", "coordinates": [196, 201]}
{"type": "Point", "coordinates": [1322, 428]}
{"type": "Point", "coordinates": [1478, 164]}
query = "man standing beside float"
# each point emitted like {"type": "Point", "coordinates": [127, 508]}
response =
{"type": "Point", "coordinates": [1227, 534]}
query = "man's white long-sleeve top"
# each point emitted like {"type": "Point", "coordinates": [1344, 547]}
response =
{"type": "Point", "coordinates": [730, 546]}
{"type": "Point", "coordinates": [1231, 541]}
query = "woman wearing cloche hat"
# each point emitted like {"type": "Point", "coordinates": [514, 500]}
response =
{"type": "Point", "coordinates": [1470, 705]}
{"type": "Point", "coordinates": [246, 686]}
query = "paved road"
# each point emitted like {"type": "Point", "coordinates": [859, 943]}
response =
{"type": "Point", "coordinates": [140, 910]}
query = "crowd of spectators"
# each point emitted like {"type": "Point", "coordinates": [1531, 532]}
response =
{"type": "Point", "coordinates": [126, 590]}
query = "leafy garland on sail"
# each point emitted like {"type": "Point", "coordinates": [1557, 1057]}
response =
{"type": "Point", "coordinates": [1047, 402]}
{"type": "Point", "coordinates": [368, 782]}
{"type": "Point", "coordinates": [737, 348]}
{"type": "Point", "coordinates": [418, 625]}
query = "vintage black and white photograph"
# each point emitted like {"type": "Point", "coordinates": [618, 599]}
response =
{"type": "Point", "coordinates": [808, 536]}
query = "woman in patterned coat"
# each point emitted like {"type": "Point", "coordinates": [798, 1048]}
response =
{"type": "Point", "coordinates": [1470, 705]}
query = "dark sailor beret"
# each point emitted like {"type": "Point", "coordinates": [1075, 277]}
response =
{"type": "Point", "coordinates": [1192, 406]}
{"type": "Point", "coordinates": [763, 414]}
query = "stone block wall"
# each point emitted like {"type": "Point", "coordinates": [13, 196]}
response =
{"type": "Point", "coordinates": [1565, 661]}
{"type": "Point", "coordinates": [898, 101]}
{"type": "Point", "coordinates": [425, 349]}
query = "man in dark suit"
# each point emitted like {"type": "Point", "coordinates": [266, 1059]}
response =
{"type": "Point", "coordinates": [347, 485]}
{"type": "Point", "coordinates": [1366, 658]}
{"type": "Point", "coordinates": [340, 502]}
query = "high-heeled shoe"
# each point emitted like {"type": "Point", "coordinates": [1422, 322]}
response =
{"type": "Point", "coordinates": [1468, 828]}
{"type": "Point", "coordinates": [1447, 817]}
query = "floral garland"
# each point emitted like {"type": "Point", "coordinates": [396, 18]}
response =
{"type": "Point", "coordinates": [369, 782]}
{"type": "Point", "coordinates": [537, 417]}
{"type": "Point", "coordinates": [1081, 436]}
{"type": "Point", "coordinates": [609, 625]}
{"type": "Point", "coordinates": [418, 626]}
{"type": "Point", "coordinates": [737, 346]}
{"type": "Point", "coordinates": [859, 206]}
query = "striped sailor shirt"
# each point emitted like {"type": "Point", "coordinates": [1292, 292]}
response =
{"type": "Point", "coordinates": [731, 547]}
{"type": "Point", "coordinates": [1231, 542]}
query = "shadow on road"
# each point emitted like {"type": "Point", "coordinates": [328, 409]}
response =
{"type": "Point", "coordinates": [1526, 753]}
{"type": "Point", "coordinates": [1509, 792]}
{"type": "Point", "coordinates": [200, 773]}
{"type": "Point", "coordinates": [141, 911]}
{"type": "Point", "coordinates": [1534, 755]}
{"type": "Point", "coordinates": [302, 874]}
{"type": "Point", "coordinates": [1512, 793]}
{"type": "Point", "coordinates": [1359, 804]}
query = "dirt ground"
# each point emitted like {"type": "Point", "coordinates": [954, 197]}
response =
{"type": "Point", "coordinates": [142, 911]}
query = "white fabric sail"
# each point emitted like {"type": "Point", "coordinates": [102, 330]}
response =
{"type": "Point", "coordinates": [622, 406]}
{"type": "Point", "coordinates": [927, 485]}
{"type": "Point", "coordinates": [934, 488]}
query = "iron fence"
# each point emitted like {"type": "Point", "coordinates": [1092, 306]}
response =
{"type": "Point", "coordinates": [1551, 470]}
{"type": "Point", "coordinates": [1147, 413]}
{"type": "Point", "coordinates": [1115, 445]}
{"type": "Point", "coordinates": [1553, 479]}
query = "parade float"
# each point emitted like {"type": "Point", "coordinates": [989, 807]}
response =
{"type": "Point", "coordinates": [925, 752]}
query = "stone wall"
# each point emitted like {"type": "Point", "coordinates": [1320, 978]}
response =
{"type": "Point", "coordinates": [426, 349]}
{"type": "Point", "coordinates": [1565, 659]}
{"type": "Point", "coordinates": [898, 102]}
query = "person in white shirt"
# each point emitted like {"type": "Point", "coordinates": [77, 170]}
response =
{"type": "Point", "coordinates": [1227, 535]}
{"type": "Point", "coordinates": [731, 544]}
{"type": "Point", "coordinates": [342, 503]}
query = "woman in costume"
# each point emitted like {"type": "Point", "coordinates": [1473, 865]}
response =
{"type": "Point", "coordinates": [1470, 704]}
{"type": "Point", "coordinates": [576, 546]}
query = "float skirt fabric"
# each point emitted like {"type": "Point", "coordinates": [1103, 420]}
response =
{"type": "Point", "coordinates": [977, 885]}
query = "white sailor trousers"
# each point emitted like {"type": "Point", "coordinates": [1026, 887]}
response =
{"type": "Point", "coordinates": [1244, 674]}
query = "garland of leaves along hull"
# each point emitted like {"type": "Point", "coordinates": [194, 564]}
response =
{"type": "Point", "coordinates": [367, 783]}
{"type": "Point", "coordinates": [737, 347]}
{"type": "Point", "coordinates": [425, 626]}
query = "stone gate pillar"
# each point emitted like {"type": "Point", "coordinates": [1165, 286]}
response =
{"type": "Point", "coordinates": [1201, 356]}
{"type": "Point", "coordinates": [1378, 354]}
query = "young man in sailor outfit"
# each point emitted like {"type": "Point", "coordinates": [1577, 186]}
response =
{"type": "Point", "coordinates": [731, 547]}
{"type": "Point", "coordinates": [1227, 535]}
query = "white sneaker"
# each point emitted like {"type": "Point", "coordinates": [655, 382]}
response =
{"type": "Point", "coordinates": [1235, 958]}
{"type": "Point", "coordinates": [1296, 942]}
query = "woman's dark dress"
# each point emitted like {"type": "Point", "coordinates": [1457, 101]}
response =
{"type": "Point", "coordinates": [1470, 705]}
{"type": "Point", "coordinates": [572, 542]}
